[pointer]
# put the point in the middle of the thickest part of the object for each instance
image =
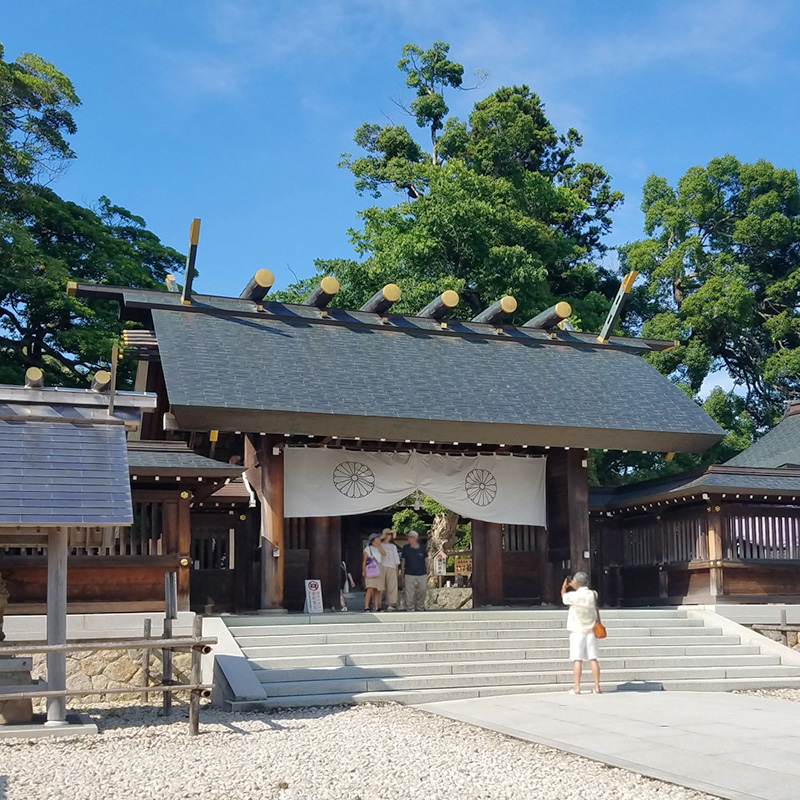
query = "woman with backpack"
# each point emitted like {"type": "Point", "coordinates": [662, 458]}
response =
{"type": "Point", "coordinates": [371, 570]}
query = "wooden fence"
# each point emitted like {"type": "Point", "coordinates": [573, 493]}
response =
{"type": "Point", "coordinates": [196, 643]}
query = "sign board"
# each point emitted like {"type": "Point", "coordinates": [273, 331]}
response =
{"type": "Point", "coordinates": [440, 564]}
{"type": "Point", "coordinates": [463, 565]}
{"type": "Point", "coordinates": [313, 598]}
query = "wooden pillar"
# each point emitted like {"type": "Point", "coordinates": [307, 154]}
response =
{"type": "Point", "coordinates": [663, 561]}
{"type": "Point", "coordinates": [184, 542]}
{"type": "Point", "coordinates": [245, 545]}
{"type": "Point", "coordinates": [264, 462]}
{"type": "Point", "coordinates": [478, 563]}
{"type": "Point", "coordinates": [57, 623]}
{"type": "Point", "coordinates": [331, 594]}
{"type": "Point", "coordinates": [546, 595]}
{"type": "Point", "coordinates": [568, 511]}
{"type": "Point", "coordinates": [493, 532]}
{"type": "Point", "coordinates": [715, 549]}
{"type": "Point", "coordinates": [325, 555]}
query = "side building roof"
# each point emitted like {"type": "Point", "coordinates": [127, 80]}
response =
{"type": "Point", "coordinates": [780, 447]}
{"type": "Point", "coordinates": [175, 459]}
{"type": "Point", "coordinates": [63, 459]}
{"type": "Point", "coordinates": [737, 482]}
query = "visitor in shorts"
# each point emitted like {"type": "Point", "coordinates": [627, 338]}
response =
{"type": "Point", "coordinates": [389, 567]}
{"type": "Point", "coordinates": [371, 562]}
{"type": "Point", "coordinates": [582, 602]}
{"type": "Point", "coordinates": [414, 569]}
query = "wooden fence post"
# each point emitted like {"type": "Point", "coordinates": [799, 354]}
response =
{"type": "Point", "coordinates": [171, 613]}
{"type": "Point", "coordinates": [148, 628]}
{"type": "Point", "coordinates": [196, 678]}
{"type": "Point", "coordinates": [57, 542]}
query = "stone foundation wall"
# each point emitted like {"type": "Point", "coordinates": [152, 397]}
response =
{"type": "Point", "coordinates": [449, 597]}
{"type": "Point", "coordinates": [112, 669]}
{"type": "Point", "coordinates": [788, 638]}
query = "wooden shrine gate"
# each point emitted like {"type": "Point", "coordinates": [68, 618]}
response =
{"type": "Point", "coordinates": [225, 566]}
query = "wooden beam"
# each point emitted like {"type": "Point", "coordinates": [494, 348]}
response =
{"type": "Point", "coordinates": [715, 547]}
{"type": "Point", "coordinates": [184, 543]}
{"type": "Point", "coordinates": [615, 311]}
{"type": "Point", "coordinates": [194, 238]}
{"type": "Point", "coordinates": [264, 464]}
{"type": "Point", "coordinates": [57, 624]}
{"type": "Point", "coordinates": [34, 378]}
{"type": "Point", "coordinates": [493, 532]}
{"type": "Point", "coordinates": [259, 285]}
{"type": "Point", "coordinates": [383, 299]}
{"type": "Point", "coordinates": [441, 306]}
{"type": "Point", "coordinates": [272, 587]}
{"type": "Point", "coordinates": [567, 513]}
{"type": "Point", "coordinates": [101, 382]}
{"type": "Point", "coordinates": [325, 556]}
{"type": "Point", "coordinates": [545, 578]}
{"type": "Point", "coordinates": [478, 563]}
{"type": "Point", "coordinates": [324, 293]}
{"type": "Point", "coordinates": [497, 311]}
{"type": "Point", "coordinates": [551, 317]}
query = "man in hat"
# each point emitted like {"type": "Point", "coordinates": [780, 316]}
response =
{"type": "Point", "coordinates": [414, 569]}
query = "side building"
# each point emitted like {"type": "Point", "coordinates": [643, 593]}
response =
{"type": "Point", "coordinates": [729, 533]}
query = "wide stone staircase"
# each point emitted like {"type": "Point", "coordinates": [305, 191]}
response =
{"type": "Point", "coordinates": [304, 660]}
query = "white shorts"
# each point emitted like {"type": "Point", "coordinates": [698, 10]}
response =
{"type": "Point", "coordinates": [582, 646]}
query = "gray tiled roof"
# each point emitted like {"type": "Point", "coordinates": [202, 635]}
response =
{"type": "Point", "coordinates": [777, 448]}
{"type": "Point", "coordinates": [278, 374]}
{"type": "Point", "coordinates": [175, 457]}
{"type": "Point", "coordinates": [63, 473]}
{"type": "Point", "coordinates": [725, 479]}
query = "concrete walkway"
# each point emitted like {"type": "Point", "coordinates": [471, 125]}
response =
{"type": "Point", "coordinates": [734, 746]}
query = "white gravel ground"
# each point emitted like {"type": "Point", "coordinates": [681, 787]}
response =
{"type": "Point", "coordinates": [377, 752]}
{"type": "Point", "coordinates": [779, 694]}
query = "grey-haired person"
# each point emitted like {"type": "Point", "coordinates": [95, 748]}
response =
{"type": "Point", "coordinates": [414, 570]}
{"type": "Point", "coordinates": [582, 602]}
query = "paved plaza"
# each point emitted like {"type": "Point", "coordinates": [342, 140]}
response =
{"type": "Point", "coordinates": [734, 746]}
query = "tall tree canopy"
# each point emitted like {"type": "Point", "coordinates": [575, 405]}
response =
{"type": "Point", "coordinates": [46, 241]}
{"type": "Point", "coordinates": [499, 205]}
{"type": "Point", "coordinates": [722, 262]}
{"type": "Point", "coordinates": [36, 101]}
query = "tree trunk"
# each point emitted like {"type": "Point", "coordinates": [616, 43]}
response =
{"type": "Point", "coordinates": [440, 537]}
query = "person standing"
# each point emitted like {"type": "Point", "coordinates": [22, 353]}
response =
{"type": "Point", "coordinates": [414, 569]}
{"type": "Point", "coordinates": [389, 567]}
{"type": "Point", "coordinates": [371, 570]}
{"type": "Point", "coordinates": [582, 602]}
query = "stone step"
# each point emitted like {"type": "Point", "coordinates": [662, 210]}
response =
{"type": "Point", "coordinates": [340, 660]}
{"type": "Point", "coordinates": [500, 679]}
{"type": "Point", "coordinates": [393, 627]}
{"type": "Point", "coordinates": [420, 696]}
{"type": "Point", "coordinates": [358, 617]}
{"type": "Point", "coordinates": [378, 637]}
{"type": "Point", "coordinates": [539, 665]}
{"type": "Point", "coordinates": [715, 637]}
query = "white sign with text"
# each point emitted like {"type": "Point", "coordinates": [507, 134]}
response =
{"type": "Point", "coordinates": [313, 598]}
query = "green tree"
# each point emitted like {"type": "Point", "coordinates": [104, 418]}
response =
{"type": "Point", "coordinates": [499, 205]}
{"type": "Point", "coordinates": [722, 268]}
{"type": "Point", "coordinates": [613, 468]}
{"type": "Point", "coordinates": [46, 241]}
{"type": "Point", "coordinates": [36, 101]}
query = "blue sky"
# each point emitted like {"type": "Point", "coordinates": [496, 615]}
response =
{"type": "Point", "coordinates": [236, 111]}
